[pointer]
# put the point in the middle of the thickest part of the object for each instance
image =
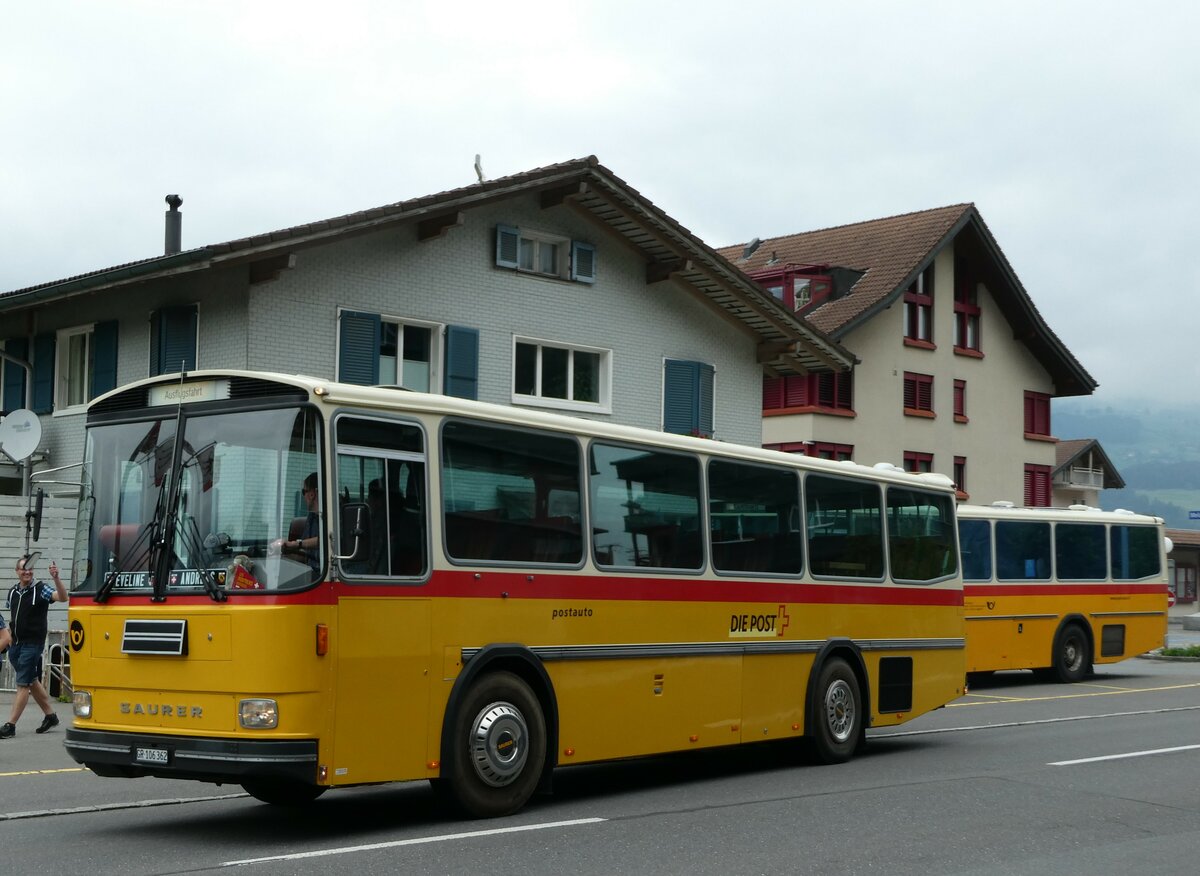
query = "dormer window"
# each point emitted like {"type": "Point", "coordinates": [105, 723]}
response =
{"type": "Point", "coordinates": [796, 287]}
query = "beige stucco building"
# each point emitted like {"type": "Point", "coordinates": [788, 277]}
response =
{"type": "Point", "coordinates": [956, 367]}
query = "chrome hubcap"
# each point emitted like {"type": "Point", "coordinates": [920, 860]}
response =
{"type": "Point", "coordinates": [839, 710]}
{"type": "Point", "coordinates": [499, 744]}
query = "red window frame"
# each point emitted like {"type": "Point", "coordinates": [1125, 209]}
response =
{"type": "Point", "coordinates": [918, 394]}
{"type": "Point", "coordinates": [918, 311]}
{"type": "Point", "coordinates": [967, 314]}
{"type": "Point", "coordinates": [960, 401]}
{"type": "Point", "coordinates": [799, 393]}
{"type": "Point", "coordinates": [1037, 415]}
{"type": "Point", "coordinates": [960, 476]}
{"type": "Point", "coordinates": [1037, 485]}
{"type": "Point", "coordinates": [785, 278]}
{"type": "Point", "coordinates": [918, 461]}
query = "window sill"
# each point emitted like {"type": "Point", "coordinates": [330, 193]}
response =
{"type": "Point", "coordinates": [915, 412]}
{"type": "Point", "coordinates": [68, 412]}
{"type": "Point", "coordinates": [919, 344]}
{"type": "Point", "coordinates": [959, 418]}
{"type": "Point", "coordinates": [969, 353]}
{"type": "Point", "coordinates": [962, 495]}
{"type": "Point", "coordinates": [561, 404]}
{"type": "Point", "coordinates": [1032, 436]}
{"type": "Point", "coordinates": [809, 409]}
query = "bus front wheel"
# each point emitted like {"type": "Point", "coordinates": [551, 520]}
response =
{"type": "Point", "coordinates": [1072, 657]}
{"type": "Point", "coordinates": [500, 747]}
{"type": "Point", "coordinates": [836, 713]}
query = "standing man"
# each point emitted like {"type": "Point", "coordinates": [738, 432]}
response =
{"type": "Point", "coordinates": [28, 604]}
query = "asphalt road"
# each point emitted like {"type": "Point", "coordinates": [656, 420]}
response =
{"type": "Point", "coordinates": [1017, 777]}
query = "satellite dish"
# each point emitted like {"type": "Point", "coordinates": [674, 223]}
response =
{"type": "Point", "coordinates": [20, 434]}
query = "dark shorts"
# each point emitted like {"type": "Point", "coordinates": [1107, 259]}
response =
{"type": "Point", "coordinates": [26, 659]}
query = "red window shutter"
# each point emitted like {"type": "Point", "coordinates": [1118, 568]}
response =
{"type": "Point", "coordinates": [796, 391]}
{"type": "Point", "coordinates": [772, 393]}
{"type": "Point", "coordinates": [910, 392]}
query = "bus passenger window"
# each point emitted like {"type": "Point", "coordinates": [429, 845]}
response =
{"type": "Point", "coordinates": [1022, 551]}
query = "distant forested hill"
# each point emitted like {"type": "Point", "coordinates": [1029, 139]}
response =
{"type": "Point", "coordinates": [1155, 450]}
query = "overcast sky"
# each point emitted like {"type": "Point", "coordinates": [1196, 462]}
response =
{"type": "Point", "coordinates": [1073, 126]}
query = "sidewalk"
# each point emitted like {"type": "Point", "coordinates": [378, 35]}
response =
{"type": "Point", "coordinates": [33, 752]}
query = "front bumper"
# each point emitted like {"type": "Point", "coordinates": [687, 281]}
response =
{"type": "Point", "coordinates": [231, 761]}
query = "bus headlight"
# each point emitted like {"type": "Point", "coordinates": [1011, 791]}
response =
{"type": "Point", "coordinates": [258, 714]}
{"type": "Point", "coordinates": [81, 700]}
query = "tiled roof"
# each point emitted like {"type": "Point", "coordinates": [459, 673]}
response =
{"type": "Point", "coordinates": [891, 252]}
{"type": "Point", "coordinates": [787, 344]}
{"type": "Point", "coordinates": [1190, 537]}
{"type": "Point", "coordinates": [888, 251]}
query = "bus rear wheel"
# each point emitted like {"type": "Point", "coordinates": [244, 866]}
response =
{"type": "Point", "coordinates": [836, 713]}
{"type": "Point", "coordinates": [1072, 656]}
{"type": "Point", "coordinates": [499, 739]}
{"type": "Point", "coordinates": [281, 792]}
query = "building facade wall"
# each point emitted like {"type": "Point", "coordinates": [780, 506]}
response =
{"type": "Point", "coordinates": [992, 441]}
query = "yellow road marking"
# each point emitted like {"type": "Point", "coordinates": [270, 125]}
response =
{"type": "Point", "coordinates": [999, 700]}
{"type": "Point", "coordinates": [44, 772]}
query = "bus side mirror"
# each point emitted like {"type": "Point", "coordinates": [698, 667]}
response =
{"type": "Point", "coordinates": [356, 523]}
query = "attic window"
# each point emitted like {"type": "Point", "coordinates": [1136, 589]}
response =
{"type": "Point", "coordinates": [799, 288]}
{"type": "Point", "coordinates": [544, 254]}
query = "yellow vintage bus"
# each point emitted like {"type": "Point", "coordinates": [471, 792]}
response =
{"type": "Point", "coordinates": [292, 584]}
{"type": "Point", "coordinates": [1059, 589]}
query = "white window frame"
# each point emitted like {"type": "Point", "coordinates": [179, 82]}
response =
{"type": "Point", "coordinates": [62, 371]}
{"type": "Point", "coordinates": [604, 406]}
{"type": "Point", "coordinates": [437, 340]}
{"type": "Point", "coordinates": [537, 238]}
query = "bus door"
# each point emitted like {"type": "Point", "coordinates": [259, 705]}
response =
{"type": "Point", "coordinates": [382, 641]}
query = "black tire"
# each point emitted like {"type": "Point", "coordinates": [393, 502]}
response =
{"type": "Point", "coordinates": [282, 792]}
{"type": "Point", "coordinates": [836, 716]}
{"type": "Point", "coordinates": [498, 747]}
{"type": "Point", "coordinates": [1072, 655]}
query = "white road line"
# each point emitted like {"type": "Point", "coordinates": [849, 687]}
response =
{"type": "Point", "coordinates": [1123, 756]}
{"type": "Point", "coordinates": [414, 842]}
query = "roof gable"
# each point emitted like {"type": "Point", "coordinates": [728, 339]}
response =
{"type": "Point", "coordinates": [786, 343]}
{"type": "Point", "coordinates": [891, 252]}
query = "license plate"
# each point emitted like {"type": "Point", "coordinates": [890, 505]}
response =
{"type": "Point", "coordinates": [152, 755]}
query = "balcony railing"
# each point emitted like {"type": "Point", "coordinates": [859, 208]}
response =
{"type": "Point", "coordinates": [1091, 478]}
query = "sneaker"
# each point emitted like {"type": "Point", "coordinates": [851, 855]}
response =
{"type": "Point", "coordinates": [7, 731]}
{"type": "Point", "coordinates": [49, 721]}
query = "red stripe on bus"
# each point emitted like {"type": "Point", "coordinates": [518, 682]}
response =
{"type": "Point", "coordinates": [1064, 588]}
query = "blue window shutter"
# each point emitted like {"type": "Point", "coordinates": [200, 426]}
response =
{"type": "Point", "coordinates": [704, 399]}
{"type": "Point", "coordinates": [688, 398]}
{"type": "Point", "coordinates": [679, 397]}
{"type": "Point", "coordinates": [583, 262]}
{"type": "Point", "coordinates": [358, 348]}
{"type": "Point", "coordinates": [508, 246]}
{"type": "Point", "coordinates": [104, 358]}
{"type": "Point", "coordinates": [43, 374]}
{"type": "Point", "coordinates": [173, 340]}
{"type": "Point", "coordinates": [14, 375]}
{"type": "Point", "coordinates": [462, 361]}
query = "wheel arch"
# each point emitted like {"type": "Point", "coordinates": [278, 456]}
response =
{"type": "Point", "coordinates": [847, 650]}
{"type": "Point", "coordinates": [524, 664]}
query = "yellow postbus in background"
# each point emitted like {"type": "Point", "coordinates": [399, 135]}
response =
{"type": "Point", "coordinates": [1059, 589]}
{"type": "Point", "coordinates": [292, 584]}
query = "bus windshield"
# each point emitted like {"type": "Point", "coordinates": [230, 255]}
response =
{"type": "Point", "coordinates": [230, 496]}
